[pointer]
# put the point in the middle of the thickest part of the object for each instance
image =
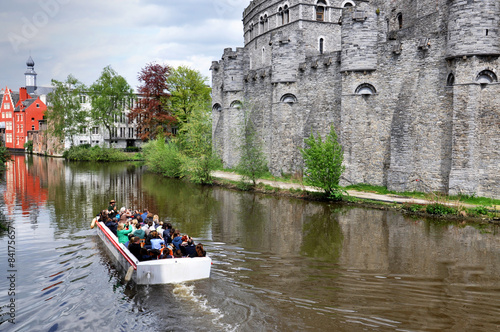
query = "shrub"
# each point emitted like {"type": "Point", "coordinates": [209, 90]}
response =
{"type": "Point", "coordinates": [480, 210]}
{"type": "Point", "coordinates": [323, 163]}
{"type": "Point", "coordinates": [132, 149]}
{"type": "Point", "coordinates": [412, 207]}
{"type": "Point", "coordinates": [439, 209]}
{"type": "Point", "coordinates": [162, 157]}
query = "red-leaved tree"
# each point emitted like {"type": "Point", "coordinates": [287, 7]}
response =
{"type": "Point", "coordinates": [151, 113]}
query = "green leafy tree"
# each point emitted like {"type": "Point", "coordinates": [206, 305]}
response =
{"type": "Point", "coordinates": [253, 163]}
{"type": "Point", "coordinates": [323, 163]}
{"type": "Point", "coordinates": [189, 90]}
{"type": "Point", "coordinates": [65, 113]}
{"type": "Point", "coordinates": [196, 145]}
{"type": "Point", "coordinates": [109, 96]}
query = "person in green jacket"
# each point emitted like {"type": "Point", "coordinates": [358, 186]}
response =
{"type": "Point", "coordinates": [123, 233]}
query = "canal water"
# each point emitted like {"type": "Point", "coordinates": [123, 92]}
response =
{"type": "Point", "coordinates": [279, 264]}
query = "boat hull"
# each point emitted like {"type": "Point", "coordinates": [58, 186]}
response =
{"type": "Point", "coordinates": [162, 271]}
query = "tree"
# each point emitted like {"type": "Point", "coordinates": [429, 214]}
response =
{"type": "Point", "coordinates": [253, 163]}
{"type": "Point", "coordinates": [109, 96]}
{"type": "Point", "coordinates": [196, 146]}
{"type": "Point", "coordinates": [323, 163]}
{"type": "Point", "coordinates": [189, 89]}
{"type": "Point", "coordinates": [152, 114]}
{"type": "Point", "coordinates": [65, 113]}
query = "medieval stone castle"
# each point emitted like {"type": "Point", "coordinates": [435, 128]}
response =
{"type": "Point", "coordinates": [411, 87]}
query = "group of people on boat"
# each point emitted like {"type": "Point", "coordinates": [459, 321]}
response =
{"type": "Point", "coordinates": [146, 236]}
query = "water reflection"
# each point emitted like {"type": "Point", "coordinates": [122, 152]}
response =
{"type": "Point", "coordinates": [279, 263]}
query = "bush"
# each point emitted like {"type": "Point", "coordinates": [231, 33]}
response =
{"type": "Point", "coordinates": [412, 207]}
{"type": "Point", "coordinates": [323, 164]}
{"type": "Point", "coordinates": [439, 209]}
{"type": "Point", "coordinates": [478, 211]}
{"type": "Point", "coordinates": [96, 153]}
{"type": "Point", "coordinates": [163, 158]}
{"type": "Point", "coordinates": [132, 149]}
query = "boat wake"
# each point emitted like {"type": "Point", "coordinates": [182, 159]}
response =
{"type": "Point", "coordinates": [200, 304]}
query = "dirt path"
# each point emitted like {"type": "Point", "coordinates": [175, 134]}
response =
{"type": "Point", "coordinates": [354, 193]}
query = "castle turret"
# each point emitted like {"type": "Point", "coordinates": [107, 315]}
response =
{"type": "Point", "coordinates": [473, 28]}
{"type": "Point", "coordinates": [30, 76]}
{"type": "Point", "coordinates": [359, 38]}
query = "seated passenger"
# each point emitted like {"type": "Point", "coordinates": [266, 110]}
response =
{"type": "Point", "coordinates": [144, 255]}
{"type": "Point", "coordinates": [112, 225]}
{"type": "Point", "coordinates": [167, 253]}
{"type": "Point", "coordinates": [122, 233]}
{"type": "Point", "coordinates": [177, 253]}
{"type": "Point", "coordinates": [177, 240]}
{"type": "Point", "coordinates": [189, 250]}
{"type": "Point", "coordinates": [199, 250]}
{"type": "Point", "coordinates": [139, 232]}
{"type": "Point", "coordinates": [156, 242]}
{"type": "Point", "coordinates": [135, 247]}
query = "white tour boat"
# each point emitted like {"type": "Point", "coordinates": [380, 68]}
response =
{"type": "Point", "coordinates": [161, 271]}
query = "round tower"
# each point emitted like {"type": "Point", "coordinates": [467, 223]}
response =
{"type": "Point", "coordinates": [359, 38]}
{"type": "Point", "coordinates": [473, 28]}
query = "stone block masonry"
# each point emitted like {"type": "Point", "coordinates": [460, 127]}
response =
{"type": "Point", "coordinates": [411, 87]}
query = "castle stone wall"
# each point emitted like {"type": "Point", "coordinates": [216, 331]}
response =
{"type": "Point", "coordinates": [413, 97]}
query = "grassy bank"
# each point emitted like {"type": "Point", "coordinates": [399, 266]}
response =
{"type": "Point", "coordinates": [97, 153]}
{"type": "Point", "coordinates": [478, 209]}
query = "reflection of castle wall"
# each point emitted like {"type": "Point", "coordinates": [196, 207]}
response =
{"type": "Point", "coordinates": [386, 241]}
{"type": "Point", "coordinates": [268, 224]}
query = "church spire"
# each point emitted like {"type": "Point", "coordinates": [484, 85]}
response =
{"type": "Point", "coordinates": [30, 76]}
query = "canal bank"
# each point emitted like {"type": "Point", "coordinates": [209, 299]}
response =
{"type": "Point", "coordinates": [389, 201]}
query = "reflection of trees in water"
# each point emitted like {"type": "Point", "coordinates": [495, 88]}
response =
{"type": "Point", "coordinates": [322, 234]}
{"type": "Point", "coordinates": [187, 206]}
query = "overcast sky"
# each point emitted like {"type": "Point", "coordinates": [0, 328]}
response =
{"type": "Point", "coordinates": [81, 37]}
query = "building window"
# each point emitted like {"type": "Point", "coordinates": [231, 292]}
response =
{"type": "Point", "coordinates": [217, 108]}
{"type": "Point", "coordinates": [95, 131]}
{"type": "Point", "coordinates": [261, 24]}
{"type": "Point", "coordinates": [174, 131]}
{"type": "Point", "coordinates": [266, 23]}
{"type": "Point", "coordinates": [8, 138]}
{"type": "Point", "coordinates": [400, 21]}
{"type": "Point", "coordinates": [32, 119]}
{"type": "Point", "coordinates": [286, 14]}
{"type": "Point", "coordinates": [450, 80]}
{"type": "Point", "coordinates": [321, 45]}
{"type": "Point", "coordinates": [288, 98]}
{"type": "Point", "coordinates": [8, 125]}
{"type": "Point", "coordinates": [365, 89]}
{"type": "Point", "coordinates": [37, 105]}
{"type": "Point", "coordinates": [320, 10]}
{"type": "Point", "coordinates": [486, 77]}
{"type": "Point", "coordinates": [33, 127]}
{"type": "Point", "coordinates": [346, 4]}
{"type": "Point", "coordinates": [83, 130]}
{"type": "Point", "coordinates": [236, 104]}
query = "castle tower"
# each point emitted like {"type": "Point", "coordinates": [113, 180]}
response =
{"type": "Point", "coordinates": [30, 76]}
{"type": "Point", "coordinates": [359, 38]}
{"type": "Point", "coordinates": [473, 28]}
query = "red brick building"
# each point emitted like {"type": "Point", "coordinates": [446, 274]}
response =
{"type": "Point", "coordinates": [20, 113]}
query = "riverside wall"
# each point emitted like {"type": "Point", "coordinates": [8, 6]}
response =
{"type": "Point", "coordinates": [411, 87]}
